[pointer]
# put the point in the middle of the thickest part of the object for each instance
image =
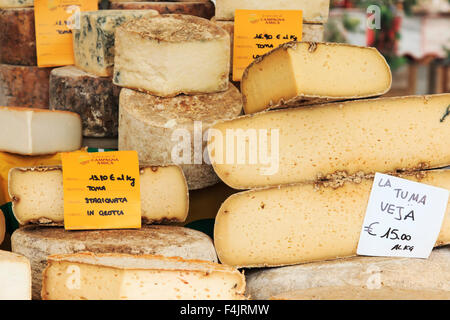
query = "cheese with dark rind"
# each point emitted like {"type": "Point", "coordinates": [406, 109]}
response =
{"type": "Point", "coordinates": [93, 42]}
{"type": "Point", "coordinates": [320, 142]}
{"type": "Point", "coordinates": [24, 86]}
{"type": "Point", "coordinates": [315, 11]}
{"type": "Point", "coordinates": [172, 54]}
{"type": "Point", "coordinates": [149, 124]}
{"type": "Point", "coordinates": [164, 195]}
{"type": "Point", "coordinates": [143, 277]}
{"type": "Point", "coordinates": [95, 99]}
{"type": "Point", "coordinates": [302, 223]}
{"type": "Point", "coordinates": [38, 242]}
{"type": "Point", "coordinates": [310, 73]}
{"type": "Point", "coordinates": [17, 37]}
{"type": "Point", "coordinates": [203, 9]}
{"type": "Point", "coordinates": [368, 272]}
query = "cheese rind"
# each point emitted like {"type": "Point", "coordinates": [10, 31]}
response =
{"type": "Point", "coordinates": [313, 11]}
{"type": "Point", "coordinates": [164, 195]}
{"type": "Point", "coordinates": [24, 86]}
{"type": "Point", "coordinates": [203, 9]}
{"type": "Point", "coordinates": [172, 54]}
{"type": "Point", "coordinates": [38, 242]}
{"type": "Point", "coordinates": [301, 223]}
{"type": "Point", "coordinates": [349, 138]}
{"type": "Point", "coordinates": [93, 42]}
{"type": "Point", "coordinates": [16, 3]}
{"type": "Point", "coordinates": [124, 277]}
{"type": "Point", "coordinates": [368, 272]}
{"type": "Point", "coordinates": [17, 37]}
{"type": "Point", "coordinates": [15, 277]}
{"type": "Point", "coordinates": [152, 126]}
{"type": "Point", "coordinates": [309, 72]}
{"type": "Point", "coordinates": [358, 293]}
{"type": "Point", "coordinates": [94, 98]}
{"type": "Point", "coordinates": [2, 227]}
{"type": "Point", "coordinates": [37, 131]}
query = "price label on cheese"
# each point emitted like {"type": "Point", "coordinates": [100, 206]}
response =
{"type": "Point", "coordinates": [101, 190]}
{"type": "Point", "coordinates": [403, 218]}
{"type": "Point", "coordinates": [54, 21]}
{"type": "Point", "coordinates": [257, 32]}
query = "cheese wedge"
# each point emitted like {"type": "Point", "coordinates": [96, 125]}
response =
{"type": "Point", "coordinates": [367, 272]}
{"type": "Point", "coordinates": [308, 73]}
{"type": "Point", "coordinates": [15, 277]}
{"type": "Point", "coordinates": [37, 195]}
{"type": "Point", "coordinates": [38, 242]}
{"type": "Point", "coordinates": [358, 293]}
{"type": "Point", "coordinates": [35, 131]}
{"type": "Point", "coordinates": [172, 54]}
{"type": "Point", "coordinates": [315, 11]}
{"type": "Point", "coordinates": [145, 277]}
{"type": "Point", "coordinates": [332, 140]}
{"type": "Point", "coordinates": [302, 223]}
{"type": "Point", "coordinates": [2, 227]}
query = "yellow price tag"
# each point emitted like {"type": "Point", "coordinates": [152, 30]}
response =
{"type": "Point", "coordinates": [54, 21]}
{"type": "Point", "coordinates": [101, 190]}
{"type": "Point", "coordinates": [257, 32]}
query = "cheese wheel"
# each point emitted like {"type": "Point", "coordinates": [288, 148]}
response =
{"type": "Point", "coordinates": [203, 9]}
{"type": "Point", "coordinates": [332, 140]}
{"type": "Point", "coordinates": [17, 37]}
{"type": "Point", "coordinates": [368, 272]}
{"type": "Point", "coordinates": [15, 277]}
{"type": "Point", "coordinates": [101, 143]}
{"type": "Point", "coordinates": [144, 277]}
{"type": "Point", "coordinates": [159, 129]}
{"type": "Point", "coordinates": [172, 54]}
{"type": "Point", "coordinates": [24, 86]}
{"type": "Point", "coordinates": [37, 242]}
{"type": "Point", "coordinates": [95, 99]}
{"type": "Point", "coordinates": [302, 223]}
{"type": "Point", "coordinates": [16, 3]}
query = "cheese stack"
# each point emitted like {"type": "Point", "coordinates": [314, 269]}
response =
{"type": "Point", "coordinates": [22, 83]}
{"type": "Point", "coordinates": [175, 70]}
{"type": "Point", "coordinates": [315, 15]}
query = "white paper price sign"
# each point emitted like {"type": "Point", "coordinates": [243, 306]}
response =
{"type": "Point", "coordinates": [403, 218]}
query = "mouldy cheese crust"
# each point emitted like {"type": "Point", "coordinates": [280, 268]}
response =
{"type": "Point", "coordinates": [16, 3]}
{"type": "Point", "coordinates": [301, 223]}
{"type": "Point", "coordinates": [147, 124]}
{"type": "Point", "coordinates": [311, 73]}
{"type": "Point", "coordinates": [164, 195]}
{"type": "Point", "coordinates": [138, 277]}
{"type": "Point", "coordinates": [350, 138]}
{"type": "Point", "coordinates": [38, 242]}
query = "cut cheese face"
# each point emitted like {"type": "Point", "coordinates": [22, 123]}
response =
{"type": "Point", "coordinates": [301, 223]}
{"type": "Point", "coordinates": [361, 271]}
{"type": "Point", "coordinates": [38, 242]}
{"type": "Point", "coordinates": [15, 277]}
{"type": "Point", "coordinates": [361, 293]}
{"type": "Point", "coordinates": [304, 73]}
{"type": "Point", "coordinates": [16, 3]}
{"type": "Point", "coordinates": [37, 195]}
{"type": "Point", "coordinates": [172, 54]}
{"type": "Point", "coordinates": [343, 139]}
{"type": "Point", "coordinates": [37, 131]}
{"type": "Point", "coordinates": [93, 42]}
{"type": "Point", "coordinates": [315, 11]}
{"type": "Point", "coordinates": [124, 277]}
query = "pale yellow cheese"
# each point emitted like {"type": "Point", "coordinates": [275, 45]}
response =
{"type": "Point", "coordinates": [311, 143]}
{"type": "Point", "coordinates": [15, 277]}
{"type": "Point", "coordinates": [315, 11]}
{"type": "Point", "coordinates": [172, 54]}
{"type": "Point", "coordinates": [143, 277]}
{"type": "Point", "coordinates": [308, 72]}
{"type": "Point", "coordinates": [37, 195]}
{"type": "Point", "coordinates": [359, 293]}
{"type": "Point", "coordinates": [301, 223]}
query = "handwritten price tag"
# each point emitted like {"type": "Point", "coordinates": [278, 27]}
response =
{"type": "Point", "coordinates": [101, 190]}
{"type": "Point", "coordinates": [403, 218]}
{"type": "Point", "coordinates": [257, 32]}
